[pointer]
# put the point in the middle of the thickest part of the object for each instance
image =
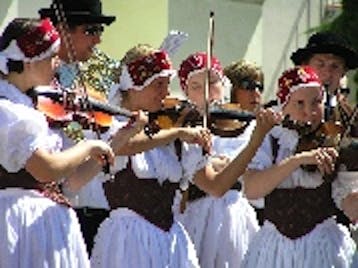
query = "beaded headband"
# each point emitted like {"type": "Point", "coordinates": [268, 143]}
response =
{"type": "Point", "coordinates": [294, 78]}
{"type": "Point", "coordinates": [196, 63]}
{"type": "Point", "coordinates": [141, 72]}
{"type": "Point", "coordinates": [37, 44]}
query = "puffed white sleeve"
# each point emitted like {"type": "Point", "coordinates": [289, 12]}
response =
{"type": "Point", "coordinates": [22, 131]}
{"type": "Point", "coordinates": [345, 183]}
{"type": "Point", "coordinates": [193, 159]}
{"type": "Point", "coordinates": [263, 157]}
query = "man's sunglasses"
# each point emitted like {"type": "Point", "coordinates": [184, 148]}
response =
{"type": "Point", "coordinates": [93, 30]}
{"type": "Point", "coordinates": [252, 85]}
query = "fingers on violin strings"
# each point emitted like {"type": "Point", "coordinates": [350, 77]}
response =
{"type": "Point", "coordinates": [324, 160]}
{"type": "Point", "coordinates": [205, 138]}
{"type": "Point", "coordinates": [332, 152]}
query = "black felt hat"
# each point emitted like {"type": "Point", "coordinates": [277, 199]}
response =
{"type": "Point", "coordinates": [78, 12]}
{"type": "Point", "coordinates": [327, 42]}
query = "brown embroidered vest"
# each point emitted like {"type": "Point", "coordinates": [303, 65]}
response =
{"type": "Point", "coordinates": [23, 179]}
{"type": "Point", "coordinates": [147, 197]}
{"type": "Point", "coordinates": [296, 211]}
{"type": "Point", "coordinates": [195, 193]}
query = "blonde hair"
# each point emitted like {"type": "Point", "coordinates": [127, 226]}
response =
{"type": "Point", "coordinates": [137, 52]}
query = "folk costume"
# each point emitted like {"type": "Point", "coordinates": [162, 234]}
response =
{"type": "Point", "coordinates": [221, 228]}
{"type": "Point", "coordinates": [38, 228]}
{"type": "Point", "coordinates": [141, 230]}
{"type": "Point", "coordinates": [300, 229]}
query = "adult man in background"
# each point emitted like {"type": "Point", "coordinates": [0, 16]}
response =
{"type": "Point", "coordinates": [80, 24]}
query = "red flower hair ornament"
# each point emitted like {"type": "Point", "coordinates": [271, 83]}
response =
{"type": "Point", "coordinates": [37, 44]}
{"type": "Point", "coordinates": [295, 78]}
{"type": "Point", "coordinates": [197, 63]}
{"type": "Point", "coordinates": [141, 72]}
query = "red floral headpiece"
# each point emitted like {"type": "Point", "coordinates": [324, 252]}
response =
{"type": "Point", "coordinates": [38, 40]}
{"type": "Point", "coordinates": [195, 63]}
{"type": "Point", "coordinates": [292, 79]}
{"type": "Point", "coordinates": [141, 72]}
{"type": "Point", "coordinates": [37, 44]}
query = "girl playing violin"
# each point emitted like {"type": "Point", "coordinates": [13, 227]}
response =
{"type": "Point", "coordinates": [220, 227]}
{"type": "Point", "coordinates": [142, 193]}
{"type": "Point", "coordinates": [300, 229]}
{"type": "Point", "coordinates": [38, 228]}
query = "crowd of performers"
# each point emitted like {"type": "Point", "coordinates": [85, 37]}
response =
{"type": "Point", "coordinates": [97, 179]}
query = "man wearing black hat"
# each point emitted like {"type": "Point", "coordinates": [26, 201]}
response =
{"type": "Point", "coordinates": [80, 23]}
{"type": "Point", "coordinates": [331, 56]}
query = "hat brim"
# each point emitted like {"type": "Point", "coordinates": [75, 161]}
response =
{"type": "Point", "coordinates": [303, 54]}
{"type": "Point", "coordinates": [78, 17]}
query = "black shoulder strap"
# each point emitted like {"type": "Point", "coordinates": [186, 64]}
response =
{"type": "Point", "coordinates": [274, 146]}
{"type": "Point", "coordinates": [178, 148]}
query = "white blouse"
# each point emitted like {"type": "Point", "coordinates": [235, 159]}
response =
{"type": "Point", "coordinates": [22, 129]}
{"type": "Point", "coordinates": [163, 163]}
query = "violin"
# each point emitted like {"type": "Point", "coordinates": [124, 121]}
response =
{"type": "Point", "coordinates": [64, 108]}
{"type": "Point", "coordinates": [174, 113]}
{"type": "Point", "coordinates": [226, 120]}
{"type": "Point", "coordinates": [330, 134]}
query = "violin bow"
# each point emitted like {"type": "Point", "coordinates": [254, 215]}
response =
{"type": "Point", "coordinates": [210, 43]}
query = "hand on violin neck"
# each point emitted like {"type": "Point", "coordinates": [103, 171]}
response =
{"type": "Point", "coordinates": [323, 157]}
{"type": "Point", "coordinates": [266, 119]}
{"type": "Point", "coordinates": [134, 126]}
{"type": "Point", "coordinates": [101, 152]}
{"type": "Point", "coordinates": [196, 135]}
{"type": "Point", "coordinates": [138, 120]}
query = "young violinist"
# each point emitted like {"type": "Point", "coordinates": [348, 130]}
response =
{"type": "Point", "coordinates": [300, 229]}
{"type": "Point", "coordinates": [143, 192]}
{"type": "Point", "coordinates": [38, 227]}
{"type": "Point", "coordinates": [220, 227]}
{"type": "Point", "coordinates": [332, 56]}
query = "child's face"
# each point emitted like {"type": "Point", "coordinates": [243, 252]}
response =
{"type": "Point", "coordinates": [196, 87]}
{"type": "Point", "coordinates": [151, 97]}
{"type": "Point", "coordinates": [305, 105]}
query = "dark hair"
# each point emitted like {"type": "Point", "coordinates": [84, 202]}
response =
{"type": "Point", "coordinates": [14, 30]}
{"type": "Point", "coordinates": [242, 73]}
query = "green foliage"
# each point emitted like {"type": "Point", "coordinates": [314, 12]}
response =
{"type": "Point", "coordinates": [346, 24]}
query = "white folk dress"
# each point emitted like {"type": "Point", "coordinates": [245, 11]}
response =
{"type": "Point", "coordinates": [126, 239]}
{"type": "Point", "coordinates": [221, 228]}
{"type": "Point", "coordinates": [328, 245]}
{"type": "Point", "coordinates": [34, 230]}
